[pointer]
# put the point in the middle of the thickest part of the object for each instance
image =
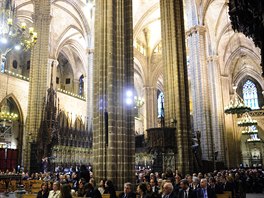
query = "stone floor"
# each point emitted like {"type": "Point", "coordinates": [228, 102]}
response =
{"type": "Point", "coordinates": [251, 195]}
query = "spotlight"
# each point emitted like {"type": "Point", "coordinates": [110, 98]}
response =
{"type": "Point", "coordinates": [3, 40]}
{"type": "Point", "coordinates": [17, 47]}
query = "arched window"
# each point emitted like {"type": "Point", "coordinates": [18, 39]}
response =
{"type": "Point", "coordinates": [250, 94]}
{"type": "Point", "coordinates": [14, 64]}
{"type": "Point", "coordinates": [81, 83]}
{"type": "Point", "coordinates": [160, 104]}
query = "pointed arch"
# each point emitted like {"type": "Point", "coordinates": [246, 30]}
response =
{"type": "Point", "coordinates": [11, 97]}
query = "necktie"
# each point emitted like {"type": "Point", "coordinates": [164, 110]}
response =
{"type": "Point", "coordinates": [54, 194]}
{"type": "Point", "coordinates": [204, 193]}
{"type": "Point", "coordinates": [185, 194]}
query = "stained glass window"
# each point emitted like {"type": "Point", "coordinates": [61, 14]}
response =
{"type": "Point", "coordinates": [81, 84]}
{"type": "Point", "coordinates": [250, 94]}
{"type": "Point", "coordinates": [160, 105]}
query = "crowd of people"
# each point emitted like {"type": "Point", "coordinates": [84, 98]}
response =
{"type": "Point", "coordinates": [151, 185]}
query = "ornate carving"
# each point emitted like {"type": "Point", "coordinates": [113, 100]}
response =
{"type": "Point", "coordinates": [247, 17]}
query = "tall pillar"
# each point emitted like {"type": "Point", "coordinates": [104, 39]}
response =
{"type": "Point", "coordinates": [113, 121]}
{"type": "Point", "coordinates": [89, 80]}
{"type": "Point", "coordinates": [150, 95]}
{"type": "Point", "coordinates": [232, 132]}
{"type": "Point", "coordinates": [52, 69]}
{"type": "Point", "coordinates": [217, 108]}
{"type": "Point", "coordinates": [38, 75]}
{"type": "Point", "coordinates": [89, 95]}
{"type": "Point", "coordinates": [176, 80]}
{"type": "Point", "coordinates": [200, 89]}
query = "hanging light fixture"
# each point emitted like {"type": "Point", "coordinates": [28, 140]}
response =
{"type": "Point", "coordinates": [13, 35]}
{"type": "Point", "coordinates": [5, 114]}
{"type": "Point", "coordinates": [250, 130]}
{"type": "Point", "coordinates": [254, 139]}
{"type": "Point", "coordinates": [246, 120]}
{"type": "Point", "coordinates": [236, 105]}
{"type": "Point", "coordinates": [139, 102]}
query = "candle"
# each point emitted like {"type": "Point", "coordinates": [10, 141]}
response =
{"type": "Point", "coordinates": [31, 30]}
{"type": "Point", "coordinates": [23, 26]}
{"type": "Point", "coordinates": [10, 21]}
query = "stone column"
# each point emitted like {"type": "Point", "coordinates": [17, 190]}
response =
{"type": "Point", "coordinates": [89, 81]}
{"type": "Point", "coordinates": [217, 108]}
{"type": "Point", "coordinates": [200, 89]}
{"type": "Point", "coordinates": [113, 121]}
{"type": "Point", "coordinates": [89, 95]}
{"type": "Point", "coordinates": [38, 75]}
{"type": "Point", "coordinates": [150, 95]}
{"type": "Point", "coordinates": [176, 80]}
{"type": "Point", "coordinates": [232, 132]}
{"type": "Point", "coordinates": [52, 68]}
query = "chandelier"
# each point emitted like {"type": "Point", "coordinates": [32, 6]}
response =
{"type": "Point", "coordinates": [249, 130]}
{"type": "Point", "coordinates": [236, 105]}
{"type": "Point", "coordinates": [253, 139]}
{"type": "Point", "coordinates": [139, 102]}
{"type": "Point", "coordinates": [13, 35]}
{"type": "Point", "coordinates": [246, 120]}
{"type": "Point", "coordinates": [5, 115]}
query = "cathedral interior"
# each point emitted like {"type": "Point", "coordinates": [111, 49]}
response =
{"type": "Point", "coordinates": [123, 85]}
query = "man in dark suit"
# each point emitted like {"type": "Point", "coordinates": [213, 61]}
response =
{"type": "Point", "coordinates": [154, 187]}
{"type": "Point", "coordinates": [186, 191]}
{"type": "Point", "coordinates": [168, 191]}
{"type": "Point", "coordinates": [204, 191]}
{"type": "Point", "coordinates": [128, 193]}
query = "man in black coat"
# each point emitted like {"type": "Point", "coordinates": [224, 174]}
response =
{"type": "Point", "coordinates": [186, 191]}
{"type": "Point", "coordinates": [205, 191]}
{"type": "Point", "coordinates": [128, 193]}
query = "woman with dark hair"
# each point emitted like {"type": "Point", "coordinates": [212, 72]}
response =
{"type": "Point", "coordinates": [65, 191]}
{"type": "Point", "coordinates": [81, 188]}
{"type": "Point", "coordinates": [110, 189]}
{"type": "Point", "coordinates": [101, 187]}
{"type": "Point", "coordinates": [44, 192]}
{"type": "Point", "coordinates": [92, 192]}
{"type": "Point", "coordinates": [142, 190]}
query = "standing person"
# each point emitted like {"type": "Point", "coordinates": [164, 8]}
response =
{"type": "Point", "coordinates": [204, 191]}
{"type": "Point", "coordinates": [186, 191]}
{"type": "Point", "coordinates": [84, 173]}
{"type": "Point", "coordinates": [128, 193]}
{"type": "Point", "coordinates": [55, 193]}
{"type": "Point", "coordinates": [44, 192]}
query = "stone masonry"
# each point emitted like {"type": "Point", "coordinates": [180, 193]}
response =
{"type": "Point", "coordinates": [175, 79]}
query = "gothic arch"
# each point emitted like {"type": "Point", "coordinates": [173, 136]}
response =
{"type": "Point", "coordinates": [139, 77]}
{"type": "Point", "coordinates": [76, 5]}
{"type": "Point", "coordinates": [138, 27]}
{"type": "Point", "coordinates": [16, 102]}
{"type": "Point", "coordinates": [17, 126]}
{"type": "Point", "coordinates": [79, 124]}
{"type": "Point", "coordinates": [259, 85]}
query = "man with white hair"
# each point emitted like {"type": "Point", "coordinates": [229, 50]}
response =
{"type": "Point", "coordinates": [168, 191]}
